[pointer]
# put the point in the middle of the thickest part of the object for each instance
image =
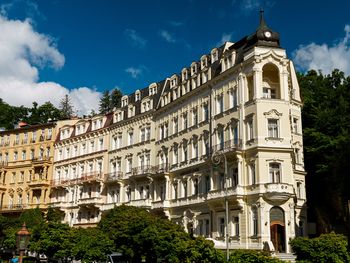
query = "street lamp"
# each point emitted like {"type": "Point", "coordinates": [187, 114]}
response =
{"type": "Point", "coordinates": [217, 158]}
{"type": "Point", "coordinates": [22, 237]}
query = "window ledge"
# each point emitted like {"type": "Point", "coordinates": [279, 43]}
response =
{"type": "Point", "coordinates": [273, 139]}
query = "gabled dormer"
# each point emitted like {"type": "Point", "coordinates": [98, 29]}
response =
{"type": "Point", "coordinates": [152, 89]}
{"type": "Point", "coordinates": [125, 100]}
{"type": "Point", "coordinates": [137, 95]}
{"type": "Point", "coordinates": [97, 122]}
{"type": "Point", "coordinates": [118, 116]}
{"type": "Point", "coordinates": [81, 127]}
{"type": "Point", "coordinates": [174, 80]}
{"type": "Point", "coordinates": [66, 132]}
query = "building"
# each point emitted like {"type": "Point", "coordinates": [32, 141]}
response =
{"type": "Point", "coordinates": [79, 170]}
{"type": "Point", "coordinates": [26, 157]}
{"type": "Point", "coordinates": [241, 103]}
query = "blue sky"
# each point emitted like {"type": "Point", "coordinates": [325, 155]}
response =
{"type": "Point", "coordinates": [88, 46]}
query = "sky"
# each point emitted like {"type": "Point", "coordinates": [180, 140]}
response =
{"type": "Point", "coordinates": [49, 48]}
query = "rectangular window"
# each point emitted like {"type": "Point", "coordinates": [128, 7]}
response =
{"type": "Point", "coordinates": [184, 122]}
{"type": "Point", "coordinates": [221, 227]}
{"type": "Point", "coordinates": [24, 155]}
{"type": "Point", "coordinates": [272, 128]}
{"type": "Point", "coordinates": [255, 222]}
{"type": "Point", "coordinates": [207, 183]}
{"type": "Point", "coordinates": [205, 112]}
{"type": "Point", "coordinates": [275, 172]}
{"type": "Point", "coordinates": [131, 138]}
{"type": "Point", "coordinates": [175, 126]}
{"type": "Point", "coordinates": [184, 151]}
{"type": "Point", "coordinates": [235, 222]}
{"type": "Point", "coordinates": [252, 173]}
{"type": "Point", "coordinates": [195, 117]}
{"type": "Point", "coordinates": [233, 98]}
{"type": "Point", "coordinates": [219, 104]}
{"type": "Point", "coordinates": [295, 125]}
{"type": "Point", "coordinates": [250, 130]}
{"type": "Point", "coordinates": [176, 155]}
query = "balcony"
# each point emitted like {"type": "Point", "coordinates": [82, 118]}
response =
{"type": "Point", "coordinates": [227, 146]}
{"type": "Point", "coordinates": [90, 177]}
{"type": "Point", "coordinates": [143, 170]}
{"type": "Point", "coordinates": [190, 200]}
{"type": "Point", "coordinates": [113, 177]}
{"type": "Point", "coordinates": [90, 202]}
{"type": "Point", "coordinates": [162, 168]}
{"type": "Point", "coordinates": [3, 164]}
{"type": "Point", "coordinates": [160, 204]}
{"type": "Point", "coordinates": [221, 193]}
{"type": "Point", "coordinates": [40, 160]}
{"type": "Point", "coordinates": [278, 193]}
{"type": "Point", "coordinates": [39, 183]}
{"type": "Point", "coordinates": [13, 208]}
{"type": "Point", "coordinates": [61, 182]}
{"type": "Point", "coordinates": [58, 204]}
{"type": "Point", "coordinates": [145, 203]}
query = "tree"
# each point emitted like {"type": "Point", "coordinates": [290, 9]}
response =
{"type": "Point", "coordinates": [105, 103]}
{"type": "Point", "coordinates": [140, 234]}
{"type": "Point", "coordinates": [330, 248]}
{"type": "Point", "coordinates": [11, 115]}
{"type": "Point", "coordinates": [90, 244]}
{"type": "Point", "coordinates": [66, 107]}
{"type": "Point", "coordinates": [115, 98]}
{"type": "Point", "coordinates": [326, 130]}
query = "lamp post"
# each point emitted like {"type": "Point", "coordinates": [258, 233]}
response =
{"type": "Point", "coordinates": [217, 157]}
{"type": "Point", "coordinates": [22, 237]}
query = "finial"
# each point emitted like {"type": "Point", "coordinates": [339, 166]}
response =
{"type": "Point", "coordinates": [262, 21]}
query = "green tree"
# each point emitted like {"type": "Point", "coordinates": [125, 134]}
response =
{"type": "Point", "coordinates": [326, 130]}
{"type": "Point", "coordinates": [251, 256]}
{"type": "Point", "coordinates": [66, 107]}
{"type": "Point", "coordinates": [105, 103]}
{"type": "Point", "coordinates": [90, 244]}
{"type": "Point", "coordinates": [11, 115]}
{"type": "Point", "coordinates": [140, 234]}
{"type": "Point", "coordinates": [330, 248]}
{"type": "Point", "coordinates": [115, 98]}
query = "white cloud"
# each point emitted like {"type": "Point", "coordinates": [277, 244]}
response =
{"type": "Point", "coordinates": [135, 38]}
{"type": "Point", "coordinates": [134, 72]}
{"type": "Point", "coordinates": [167, 36]}
{"type": "Point", "coordinates": [23, 52]}
{"type": "Point", "coordinates": [224, 38]}
{"type": "Point", "coordinates": [324, 57]}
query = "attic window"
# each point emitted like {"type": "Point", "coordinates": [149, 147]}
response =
{"type": "Point", "coordinates": [193, 69]}
{"type": "Point", "coordinates": [137, 95]}
{"type": "Point", "coordinates": [124, 101]}
{"type": "Point", "coordinates": [184, 75]}
{"type": "Point", "coordinates": [214, 56]}
{"type": "Point", "coordinates": [204, 62]}
{"type": "Point", "coordinates": [173, 82]}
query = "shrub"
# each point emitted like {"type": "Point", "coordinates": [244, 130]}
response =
{"type": "Point", "coordinates": [251, 256]}
{"type": "Point", "coordinates": [330, 248]}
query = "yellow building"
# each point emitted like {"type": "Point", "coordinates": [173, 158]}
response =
{"type": "Point", "coordinates": [26, 157]}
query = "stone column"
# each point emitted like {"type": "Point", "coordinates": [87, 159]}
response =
{"type": "Point", "coordinates": [257, 79]}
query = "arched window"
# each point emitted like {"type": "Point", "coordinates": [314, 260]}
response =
{"type": "Point", "coordinates": [271, 82]}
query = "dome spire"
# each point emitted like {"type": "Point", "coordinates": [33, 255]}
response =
{"type": "Point", "coordinates": [262, 20]}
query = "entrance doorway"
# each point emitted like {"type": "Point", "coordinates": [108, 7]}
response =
{"type": "Point", "coordinates": [277, 229]}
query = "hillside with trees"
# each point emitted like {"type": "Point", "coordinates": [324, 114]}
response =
{"type": "Point", "coordinates": [326, 130]}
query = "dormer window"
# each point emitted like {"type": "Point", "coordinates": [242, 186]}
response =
{"type": "Point", "coordinates": [184, 74]}
{"type": "Point", "coordinates": [193, 69]}
{"type": "Point", "coordinates": [118, 116]}
{"type": "Point", "coordinates": [214, 55]}
{"type": "Point", "coordinates": [124, 101]}
{"type": "Point", "coordinates": [131, 111]}
{"type": "Point", "coordinates": [152, 89]}
{"type": "Point", "coordinates": [204, 62]}
{"type": "Point", "coordinates": [137, 95]}
{"type": "Point", "coordinates": [173, 82]}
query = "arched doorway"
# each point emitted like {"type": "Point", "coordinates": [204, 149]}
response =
{"type": "Point", "coordinates": [277, 229]}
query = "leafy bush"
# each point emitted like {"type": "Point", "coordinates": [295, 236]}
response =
{"type": "Point", "coordinates": [330, 248]}
{"type": "Point", "coordinates": [251, 256]}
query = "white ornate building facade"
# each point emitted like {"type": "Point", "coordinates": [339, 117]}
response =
{"type": "Point", "coordinates": [242, 102]}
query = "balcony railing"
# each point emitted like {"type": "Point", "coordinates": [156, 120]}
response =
{"type": "Point", "coordinates": [16, 207]}
{"type": "Point", "coordinates": [162, 168]}
{"type": "Point", "coordinates": [112, 177]}
{"type": "Point", "coordinates": [227, 145]}
{"type": "Point", "coordinates": [4, 163]}
{"type": "Point", "coordinates": [146, 169]}
{"type": "Point", "coordinates": [90, 177]}
{"type": "Point", "coordinates": [90, 201]}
